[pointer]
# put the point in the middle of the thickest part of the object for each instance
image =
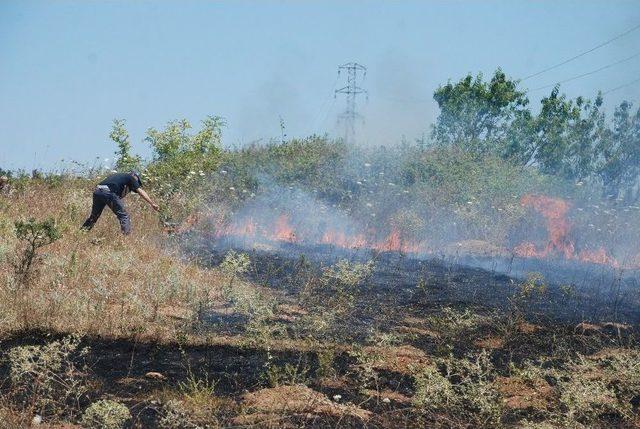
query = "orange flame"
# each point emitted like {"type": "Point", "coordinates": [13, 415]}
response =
{"type": "Point", "coordinates": [555, 210]}
{"type": "Point", "coordinates": [395, 243]}
{"type": "Point", "coordinates": [597, 257]}
{"type": "Point", "coordinates": [341, 239]}
{"type": "Point", "coordinates": [284, 231]}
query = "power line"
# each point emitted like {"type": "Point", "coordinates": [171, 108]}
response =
{"type": "Point", "coordinates": [324, 104]}
{"type": "Point", "coordinates": [583, 53]}
{"type": "Point", "coordinates": [622, 86]}
{"type": "Point", "coordinates": [588, 73]}
{"type": "Point", "coordinates": [326, 116]}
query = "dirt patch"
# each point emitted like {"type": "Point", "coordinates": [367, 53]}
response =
{"type": "Point", "coordinates": [399, 359]}
{"type": "Point", "coordinates": [528, 328]}
{"type": "Point", "coordinates": [490, 343]}
{"type": "Point", "coordinates": [519, 394]}
{"type": "Point", "coordinates": [299, 400]}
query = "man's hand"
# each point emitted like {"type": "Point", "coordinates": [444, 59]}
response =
{"type": "Point", "coordinates": [146, 197]}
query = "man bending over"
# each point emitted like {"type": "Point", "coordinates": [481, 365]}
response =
{"type": "Point", "coordinates": [110, 193]}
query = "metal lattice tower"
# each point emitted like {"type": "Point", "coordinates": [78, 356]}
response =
{"type": "Point", "coordinates": [349, 116]}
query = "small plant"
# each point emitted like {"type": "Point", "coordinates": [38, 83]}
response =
{"type": "Point", "coordinates": [197, 389]}
{"type": "Point", "coordinates": [341, 282]}
{"type": "Point", "coordinates": [326, 358]}
{"type": "Point", "coordinates": [176, 416]}
{"type": "Point", "coordinates": [461, 388]}
{"type": "Point", "coordinates": [124, 159]}
{"type": "Point", "coordinates": [234, 264]}
{"type": "Point", "coordinates": [285, 375]}
{"type": "Point", "coordinates": [533, 286]}
{"type": "Point", "coordinates": [105, 414]}
{"type": "Point", "coordinates": [365, 369]}
{"type": "Point", "coordinates": [531, 289]}
{"type": "Point", "coordinates": [452, 324]}
{"type": "Point", "coordinates": [385, 339]}
{"type": "Point", "coordinates": [48, 377]}
{"type": "Point", "coordinates": [33, 235]}
{"type": "Point", "coordinates": [433, 391]}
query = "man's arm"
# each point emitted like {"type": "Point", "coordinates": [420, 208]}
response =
{"type": "Point", "coordinates": [148, 199]}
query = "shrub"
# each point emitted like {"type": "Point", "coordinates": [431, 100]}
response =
{"type": "Point", "coordinates": [433, 391]}
{"type": "Point", "coordinates": [105, 414]}
{"type": "Point", "coordinates": [50, 377]}
{"type": "Point", "coordinates": [341, 282]}
{"type": "Point", "coordinates": [34, 235]}
{"type": "Point", "coordinates": [459, 388]}
{"type": "Point", "coordinates": [604, 385]}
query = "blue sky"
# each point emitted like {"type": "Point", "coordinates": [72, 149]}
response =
{"type": "Point", "coordinates": [68, 68]}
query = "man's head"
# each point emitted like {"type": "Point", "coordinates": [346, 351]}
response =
{"type": "Point", "coordinates": [136, 174]}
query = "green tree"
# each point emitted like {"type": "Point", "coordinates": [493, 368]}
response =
{"type": "Point", "coordinates": [124, 159]}
{"type": "Point", "coordinates": [620, 162]}
{"type": "Point", "coordinates": [567, 136]}
{"type": "Point", "coordinates": [478, 115]}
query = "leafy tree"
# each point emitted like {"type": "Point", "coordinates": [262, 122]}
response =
{"type": "Point", "coordinates": [477, 115]}
{"type": "Point", "coordinates": [620, 162]}
{"type": "Point", "coordinates": [124, 160]}
{"type": "Point", "coordinates": [567, 133]}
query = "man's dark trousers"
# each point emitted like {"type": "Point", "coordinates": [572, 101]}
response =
{"type": "Point", "coordinates": [103, 198]}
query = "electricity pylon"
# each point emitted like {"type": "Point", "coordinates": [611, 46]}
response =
{"type": "Point", "coordinates": [349, 116]}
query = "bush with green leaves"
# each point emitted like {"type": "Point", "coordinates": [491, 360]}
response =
{"type": "Point", "coordinates": [106, 414]}
{"type": "Point", "coordinates": [33, 235]}
{"type": "Point", "coordinates": [179, 173]}
{"type": "Point", "coordinates": [182, 161]}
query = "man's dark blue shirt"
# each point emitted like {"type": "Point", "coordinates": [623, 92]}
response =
{"type": "Point", "coordinates": [121, 183]}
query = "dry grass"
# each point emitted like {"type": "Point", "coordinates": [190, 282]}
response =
{"type": "Point", "coordinates": [98, 282]}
